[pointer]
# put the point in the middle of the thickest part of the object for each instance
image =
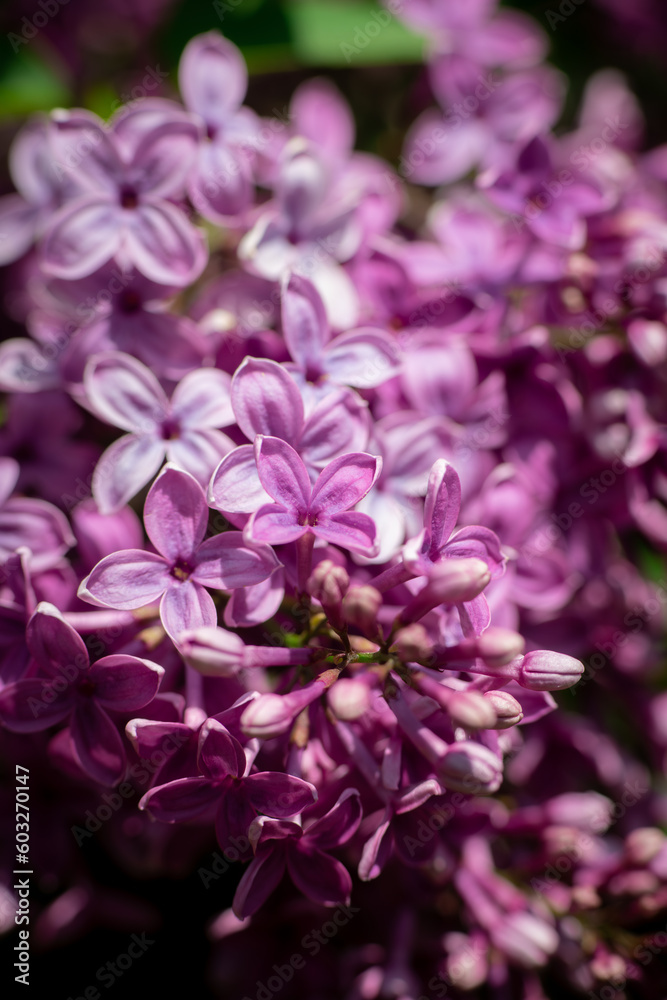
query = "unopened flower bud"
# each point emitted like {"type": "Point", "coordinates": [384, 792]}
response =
{"type": "Point", "coordinates": [451, 582]}
{"type": "Point", "coordinates": [215, 652]}
{"type": "Point", "coordinates": [349, 699]}
{"type": "Point", "coordinates": [498, 646]}
{"type": "Point", "coordinates": [471, 710]}
{"type": "Point", "coordinates": [470, 768]}
{"type": "Point", "coordinates": [543, 670]}
{"type": "Point", "coordinates": [508, 710]}
{"type": "Point", "coordinates": [272, 715]}
{"type": "Point", "coordinates": [360, 608]}
{"type": "Point", "coordinates": [413, 644]}
{"type": "Point", "coordinates": [644, 844]}
{"type": "Point", "coordinates": [328, 584]}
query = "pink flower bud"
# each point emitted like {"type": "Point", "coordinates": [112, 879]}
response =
{"type": "Point", "coordinates": [508, 710]}
{"type": "Point", "coordinates": [543, 670]}
{"type": "Point", "coordinates": [360, 608]}
{"type": "Point", "coordinates": [328, 584]}
{"type": "Point", "coordinates": [413, 644]}
{"type": "Point", "coordinates": [451, 582]}
{"type": "Point", "coordinates": [470, 768]}
{"type": "Point", "coordinates": [349, 699]}
{"type": "Point", "coordinates": [498, 646]}
{"type": "Point", "coordinates": [644, 844]}
{"type": "Point", "coordinates": [272, 715]}
{"type": "Point", "coordinates": [471, 710]}
{"type": "Point", "coordinates": [215, 652]}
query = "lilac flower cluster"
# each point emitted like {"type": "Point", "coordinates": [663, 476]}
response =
{"type": "Point", "coordinates": [389, 469]}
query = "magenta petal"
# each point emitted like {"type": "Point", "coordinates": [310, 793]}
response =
{"type": "Point", "coordinates": [54, 643]}
{"type": "Point", "coordinates": [274, 525]}
{"type": "Point", "coordinates": [220, 754]}
{"type": "Point", "coordinates": [186, 605]}
{"type": "Point", "coordinates": [344, 482]}
{"type": "Point", "coordinates": [212, 77]}
{"type": "Point", "coordinates": [318, 876]}
{"type": "Point", "coordinates": [81, 237]}
{"type": "Point", "coordinates": [18, 225]}
{"type": "Point", "coordinates": [124, 468]}
{"type": "Point", "coordinates": [162, 244]}
{"type": "Point", "coordinates": [202, 399]}
{"type": "Point", "coordinates": [305, 325]}
{"type": "Point", "coordinates": [338, 825]}
{"type": "Point", "coordinates": [478, 542]}
{"type": "Point", "coordinates": [362, 358]}
{"type": "Point", "coordinates": [125, 683]}
{"type": "Point", "coordinates": [250, 606]}
{"type": "Point", "coordinates": [199, 452]}
{"type": "Point", "coordinates": [176, 514]}
{"type": "Point", "coordinates": [266, 400]}
{"type": "Point", "coordinates": [125, 393]}
{"type": "Point", "coordinates": [164, 157]}
{"type": "Point", "coordinates": [180, 800]}
{"type": "Point", "coordinates": [442, 504]}
{"type": "Point", "coordinates": [225, 562]}
{"type": "Point", "coordinates": [235, 485]}
{"type": "Point", "coordinates": [278, 794]}
{"type": "Point", "coordinates": [220, 186]}
{"type": "Point", "coordinates": [260, 878]}
{"type": "Point", "coordinates": [36, 525]}
{"type": "Point", "coordinates": [98, 743]}
{"type": "Point", "coordinates": [377, 851]}
{"type": "Point", "coordinates": [30, 705]}
{"type": "Point", "coordinates": [9, 474]}
{"type": "Point", "coordinates": [126, 580]}
{"type": "Point", "coordinates": [350, 530]}
{"type": "Point", "coordinates": [234, 816]}
{"type": "Point", "coordinates": [282, 473]}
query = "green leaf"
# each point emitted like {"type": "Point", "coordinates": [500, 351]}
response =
{"type": "Point", "coordinates": [29, 85]}
{"type": "Point", "coordinates": [350, 33]}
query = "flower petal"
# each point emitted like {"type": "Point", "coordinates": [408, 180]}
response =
{"type": "Point", "coordinates": [282, 473]}
{"type": "Point", "coordinates": [266, 400]}
{"type": "Point", "coordinates": [53, 642]}
{"type": "Point", "coordinates": [212, 77]}
{"type": "Point", "coordinates": [226, 561]}
{"type": "Point", "coordinates": [344, 482]}
{"type": "Point", "coordinates": [125, 393]}
{"type": "Point", "coordinates": [274, 525]}
{"type": "Point", "coordinates": [124, 468]}
{"type": "Point", "coordinates": [180, 800]}
{"type": "Point", "coordinates": [186, 606]}
{"type": "Point", "coordinates": [220, 754]}
{"type": "Point", "coordinates": [260, 878]}
{"type": "Point", "coordinates": [97, 743]}
{"type": "Point", "coordinates": [176, 514]}
{"type": "Point", "coordinates": [162, 243]}
{"type": "Point", "coordinates": [317, 875]}
{"type": "Point", "coordinates": [82, 236]}
{"type": "Point", "coordinates": [305, 324]}
{"type": "Point", "coordinates": [278, 794]}
{"type": "Point", "coordinates": [351, 530]}
{"type": "Point", "coordinates": [125, 683]}
{"type": "Point", "coordinates": [235, 485]}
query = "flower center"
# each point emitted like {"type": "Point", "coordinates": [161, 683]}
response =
{"type": "Point", "coordinates": [86, 687]}
{"type": "Point", "coordinates": [170, 430]}
{"type": "Point", "coordinates": [181, 570]}
{"type": "Point", "coordinates": [128, 197]}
